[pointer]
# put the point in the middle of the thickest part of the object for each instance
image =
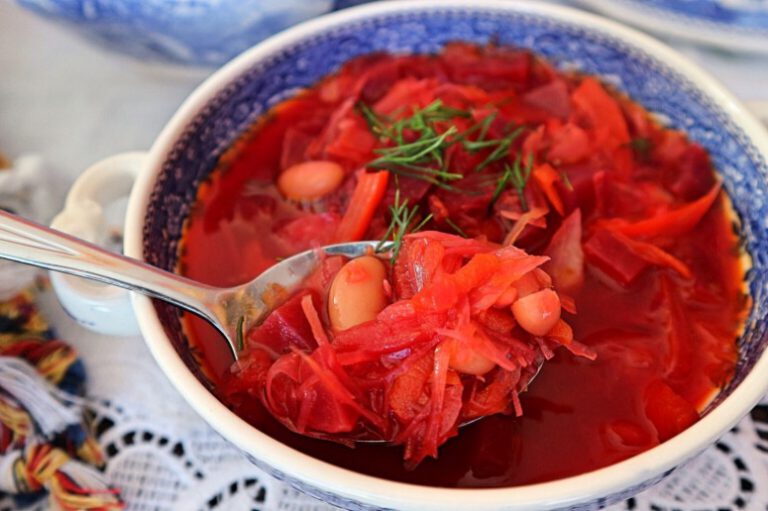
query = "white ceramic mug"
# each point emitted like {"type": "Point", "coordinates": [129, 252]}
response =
{"type": "Point", "coordinates": [95, 211]}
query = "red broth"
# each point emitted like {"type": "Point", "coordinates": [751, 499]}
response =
{"type": "Point", "coordinates": [663, 325]}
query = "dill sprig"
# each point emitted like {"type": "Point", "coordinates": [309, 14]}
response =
{"type": "Point", "coordinates": [453, 225]}
{"type": "Point", "coordinates": [402, 216]}
{"type": "Point", "coordinates": [500, 146]}
{"type": "Point", "coordinates": [517, 175]}
{"type": "Point", "coordinates": [424, 157]}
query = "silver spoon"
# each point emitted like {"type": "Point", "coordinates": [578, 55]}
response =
{"type": "Point", "coordinates": [232, 310]}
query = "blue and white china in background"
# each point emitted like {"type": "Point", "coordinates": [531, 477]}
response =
{"type": "Point", "coordinates": [740, 25]}
{"type": "Point", "coordinates": [194, 32]}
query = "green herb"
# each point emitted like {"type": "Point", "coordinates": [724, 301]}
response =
{"type": "Point", "coordinates": [456, 228]}
{"type": "Point", "coordinates": [641, 146]}
{"type": "Point", "coordinates": [423, 158]}
{"type": "Point", "coordinates": [520, 176]}
{"type": "Point", "coordinates": [375, 122]}
{"type": "Point", "coordinates": [500, 147]}
{"type": "Point", "coordinates": [240, 342]}
{"type": "Point", "coordinates": [402, 217]}
{"type": "Point", "coordinates": [501, 185]}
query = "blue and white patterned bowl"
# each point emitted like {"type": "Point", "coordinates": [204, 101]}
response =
{"type": "Point", "coordinates": [200, 32]}
{"type": "Point", "coordinates": [731, 24]}
{"type": "Point", "coordinates": [233, 98]}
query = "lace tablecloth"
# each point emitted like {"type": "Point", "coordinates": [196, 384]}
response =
{"type": "Point", "coordinates": [75, 104]}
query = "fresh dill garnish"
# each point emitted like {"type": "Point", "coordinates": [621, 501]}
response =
{"type": "Point", "coordinates": [517, 175]}
{"type": "Point", "coordinates": [520, 176]}
{"type": "Point", "coordinates": [500, 146]}
{"type": "Point", "coordinates": [424, 157]}
{"type": "Point", "coordinates": [239, 333]}
{"type": "Point", "coordinates": [501, 185]}
{"type": "Point", "coordinates": [456, 228]}
{"type": "Point", "coordinates": [402, 216]}
{"type": "Point", "coordinates": [375, 122]}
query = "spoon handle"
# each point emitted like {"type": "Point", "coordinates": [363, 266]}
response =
{"type": "Point", "coordinates": [26, 242]}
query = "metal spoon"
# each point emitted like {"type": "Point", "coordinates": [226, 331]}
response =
{"type": "Point", "coordinates": [230, 309]}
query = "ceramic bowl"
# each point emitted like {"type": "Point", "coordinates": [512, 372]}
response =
{"type": "Point", "coordinates": [233, 98]}
{"type": "Point", "coordinates": [199, 32]}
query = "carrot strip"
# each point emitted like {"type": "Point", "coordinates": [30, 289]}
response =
{"type": "Point", "coordinates": [657, 256]}
{"type": "Point", "coordinates": [675, 222]}
{"type": "Point", "coordinates": [368, 193]}
{"type": "Point", "coordinates": [528, 218]}
{"type": "Point", "coordinates": [546, 177]}
{"type": "Point", "coordinates": [318, 332]}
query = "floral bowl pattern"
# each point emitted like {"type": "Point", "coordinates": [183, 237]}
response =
{"type": "Point", "coordinates": [654, 75]}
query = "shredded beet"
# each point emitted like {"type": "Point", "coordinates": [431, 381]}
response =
{"type": "Point", "coordinates": [400, 377]}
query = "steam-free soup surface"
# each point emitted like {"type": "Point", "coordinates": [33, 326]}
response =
{"type": "Point", "coordinates": [653, 264]}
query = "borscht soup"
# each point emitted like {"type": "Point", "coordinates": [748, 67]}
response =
{"type": "Point", "coordinates": [558, 265]}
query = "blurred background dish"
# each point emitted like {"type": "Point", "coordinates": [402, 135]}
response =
{"type": "Point", "coordinates": [738, 25]}
{"type": "Point", "coordinates": [193, 32]}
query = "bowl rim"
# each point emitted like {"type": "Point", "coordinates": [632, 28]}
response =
{"type": "Point", "coordinates": [325, 476]}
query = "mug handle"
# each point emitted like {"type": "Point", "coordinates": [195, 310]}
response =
{"type": "Point", "coordinates": [98, 307]}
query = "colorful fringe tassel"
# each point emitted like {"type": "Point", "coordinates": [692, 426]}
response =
{"type": "Point", "coordinates": [45, 445]}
